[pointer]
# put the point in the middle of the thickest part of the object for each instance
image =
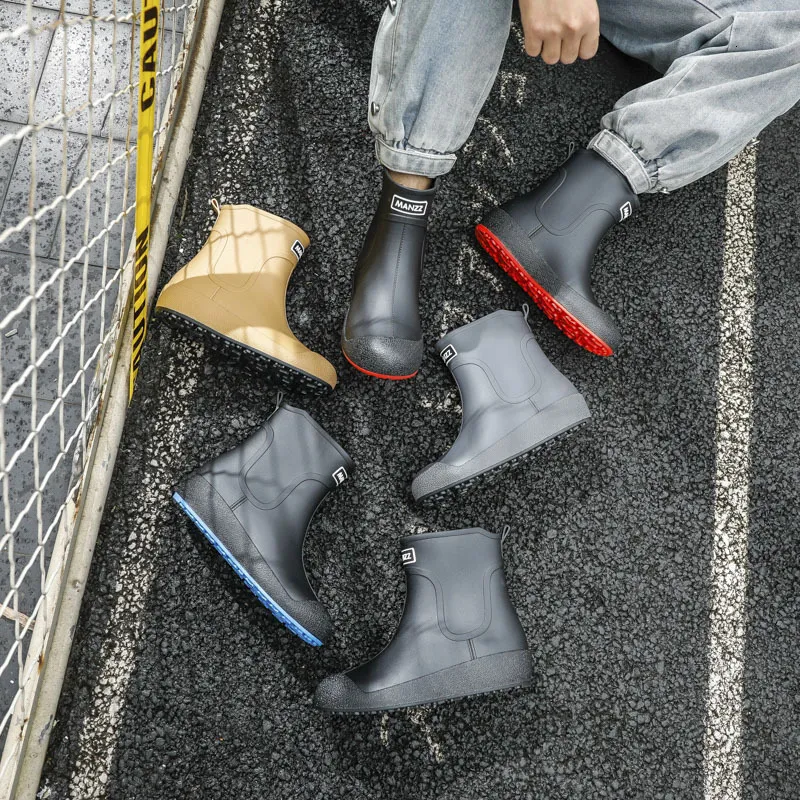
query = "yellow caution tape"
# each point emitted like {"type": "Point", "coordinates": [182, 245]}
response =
{"type": "Point", "coordinates": [148, 58]}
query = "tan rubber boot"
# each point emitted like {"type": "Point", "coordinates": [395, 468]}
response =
{"type": "Point", "coordinates": [233, 294]}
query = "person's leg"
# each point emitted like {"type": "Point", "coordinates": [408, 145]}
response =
{"type": "Point", "coordinates": [729, 68]}
{"type": "Point", "coordinates": [432, 68]}
{"type": "Point", "coordinates": [433, 65]}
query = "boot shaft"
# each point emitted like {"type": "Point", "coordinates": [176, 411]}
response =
{"type": "Point", "coordinates": [456, 588]}
{"type": "Point", "coordinates": [465, 568]}
{"type": "Point", "coordinates": [275, 479]}
{"type": "Point", "coordinates": [244, 267]}
{"type": "Point", "coordinates": [246, 243]}
{"type": "Point", "coordinates": [586, 195]}
{"type": "Point", "coordinates": [581, 200]}
{"type": "Point", "coordinates": [496, 363]}
{"type": "Point", "coordinates": [400, 204]}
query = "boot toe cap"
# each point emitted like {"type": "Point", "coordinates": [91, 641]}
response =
{"type": "Point", "coordinates": [432, 479]}
{"type": "Point", "coordinates": [338, 693]}
{"type": "Point", "coordinates": [311, 614]}
{"type": "Point", "coordinates": [384, 357]}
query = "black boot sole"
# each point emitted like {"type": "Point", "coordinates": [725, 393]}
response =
{"type": "Point", "coordinates": [577, 415]}
{"type": "Point", "coordinates": [486, 675]}
{"type": "Point", "coordinates": [511, 249]}
{"type": "Point", "coordinates": [262, 366]}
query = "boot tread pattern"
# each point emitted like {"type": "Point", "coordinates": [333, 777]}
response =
{"type": "Point", "coordinates": [279, 614]}
{"type": "Point", "coordinates": [260, 364]}
{"type": "Point", "coordinates": [452, 492]}
{"type": "Point", "coordinates": [563, 320]}
{"type": "Point", "coordinates": [432, 704]}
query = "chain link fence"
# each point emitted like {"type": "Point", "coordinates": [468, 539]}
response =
{"type": "Point", "coordinates": [67, 198]}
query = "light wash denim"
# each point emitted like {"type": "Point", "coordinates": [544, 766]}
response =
{"type": "Point", "coordinates": [729, 67]}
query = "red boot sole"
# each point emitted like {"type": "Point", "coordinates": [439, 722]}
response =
{"type": "Point", "coordinates": [559, 315]}
{"type": "Point", "coordinates": [378, 374]}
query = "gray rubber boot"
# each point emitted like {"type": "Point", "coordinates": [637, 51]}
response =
{"type": "Point", "coordinates": [254, 504]}
{"type": "Point", "coordinates": [513, 402]}
{"type": "Point", "coordinates": [459, 634]}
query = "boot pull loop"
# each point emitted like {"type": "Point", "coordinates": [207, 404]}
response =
{"type": "Point", "coordinates": [506, 531]}
{"type": "Point", "coordinates": [215, 205]}
{"type": "Point", "coordinates": [571, 150]}
{"type": "Point", "coordinates": [278, 401]}
{"type": "Point", "coordinates": [526, 309]}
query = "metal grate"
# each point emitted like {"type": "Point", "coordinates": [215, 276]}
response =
{"type": "Point", "coordinates": [67, 168]}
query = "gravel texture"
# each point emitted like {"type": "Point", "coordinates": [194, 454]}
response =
{"type": "Point", "coordinates": [182, 685]}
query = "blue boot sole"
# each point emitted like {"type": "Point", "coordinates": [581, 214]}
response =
{"type": "Point", "coordinates": [292, 624]}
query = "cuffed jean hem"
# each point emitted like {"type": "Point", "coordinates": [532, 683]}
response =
{"type": "Point", "coordinates": [641, 175]}
{"type": "Point", "coordinates": [413, 162]}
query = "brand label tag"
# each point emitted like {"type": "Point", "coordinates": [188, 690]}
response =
{"type": "Point", "coordinates": [298, 249]}
{"type": "Point", "coordinates": [448, 354]}
{"type": "Point", "coordinates": [409, 556]}
{"type": "Point", "coordinates": [340, 476]}
{"type": "Point", "coordinates": [625, 210]}
{"type": "Point", "coordinates": [414, 208]}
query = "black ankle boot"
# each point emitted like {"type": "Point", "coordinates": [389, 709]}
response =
{"type": "Point", "coordinates": [546, 240]}
{"type": "Point", "coordinates": [459, 634]}
{"type": "Point", "coordinates": [381, 334]}
{"type": "Point", "coordinates": [254, 504]}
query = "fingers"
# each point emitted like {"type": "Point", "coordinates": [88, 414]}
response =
{"type": "Point", "coordinates": [569, 49]}
{"type": "Point", "coordinates": [533, 47]}
{"type": "Point", "coordinates": [588, 46]}
{"type": "Point", "coordinates": [551, 50]}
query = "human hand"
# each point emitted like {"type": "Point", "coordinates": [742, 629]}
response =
{"type": "Point", "coordinates": [560, 30]}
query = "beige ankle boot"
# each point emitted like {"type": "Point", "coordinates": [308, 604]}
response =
{"type": "Point", "coordinates": [234, 292]}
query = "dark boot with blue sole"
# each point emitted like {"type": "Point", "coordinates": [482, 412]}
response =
{"type": "Point", "coordinates": [254, 504]}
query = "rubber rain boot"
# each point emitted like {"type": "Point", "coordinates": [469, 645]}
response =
{"type": "Point", "coordinates": [459, 634]}
{"type": "Point", "coordinates": [513, 402]}
{"type": "Point", "coordinates": [381, 335]}
{"type": "Point", "coordinates": [254, 504]}
{"type": "Point", "coordinates": [232, 295]}
{"type": "Point", "coordinates": [546, 241]}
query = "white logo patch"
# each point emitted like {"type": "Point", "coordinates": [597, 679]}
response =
{"type": "Point", "coordinates": [414, 208]}
{"type": "Point", "coordinates": [409, 556]}
{"type": "Point", "coordinates": [448, 354]}
{"type": "Point", "coordinates": [625, 210]}
{"type": "Point", "coordinates": [340, 476]}
{"type": "Point", "coordinates": [298, 249]}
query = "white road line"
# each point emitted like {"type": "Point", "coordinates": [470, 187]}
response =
{"type": "Point", "coordinates": [419, 717]}
{"type": "Point", "coordinates": [100, 730]}
{"type": "Point", "coordinates": [723, 736]}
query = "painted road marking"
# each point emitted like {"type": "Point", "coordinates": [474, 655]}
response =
{"type": "Point", "coordinates": [101, 725]}
{"type": "Point", "coordinates": [722, 756]}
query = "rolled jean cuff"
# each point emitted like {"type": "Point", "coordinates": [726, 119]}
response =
{"type": "Point", "coordinates": [401, 158]}
{"type": "Point", "coordinates": [641, 175]}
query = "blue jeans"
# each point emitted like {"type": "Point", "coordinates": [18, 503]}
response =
{"type": "Point", "coordinates": [729, 67]}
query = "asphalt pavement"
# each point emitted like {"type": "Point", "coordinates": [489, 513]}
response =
{"type": "Point", "coordinates": [182, 685]}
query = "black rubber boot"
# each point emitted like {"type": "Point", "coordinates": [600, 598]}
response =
{"type": "Point", "coordinates": [381, 334]}
{"type": "Point", "coordinates": [254, 504]}
{"type": "Point", "coordinates": [546, 241]}
{"type": "Point", "coordinates": [459, 634]}
{"type": "Point", "coordinates": [513, 401]}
